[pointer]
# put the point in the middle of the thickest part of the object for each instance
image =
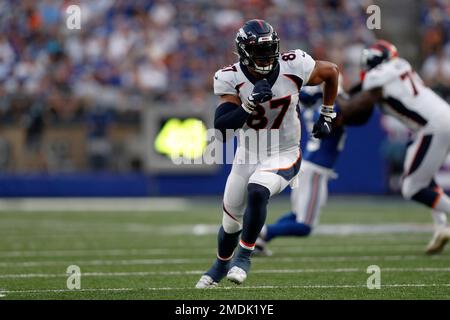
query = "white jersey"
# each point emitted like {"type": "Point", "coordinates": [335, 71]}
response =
{"type": "Point", "coordinates": [280, 113]}
{"type": "Point", "coordinates": [406, 97]}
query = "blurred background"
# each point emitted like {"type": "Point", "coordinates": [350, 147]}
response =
{"type": "Point", "coordinates": [95, 111]}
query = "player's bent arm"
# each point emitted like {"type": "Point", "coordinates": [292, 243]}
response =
{"type": "Point", "coordinates": [230, 114]}
{"type": "Point", "coordinates": [355, 89]}
{"type": "Point", "coordinates": [328, 73]}
{"type": "Point", "coordinates": [358, 109]}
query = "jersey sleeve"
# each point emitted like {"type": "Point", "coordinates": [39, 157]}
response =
{"type": "Point", "coordinates": [378, 77]}
{"type": "Point", "coordinates": [224, 83]}
{"type": "Point", "coordinates": [304, 64]}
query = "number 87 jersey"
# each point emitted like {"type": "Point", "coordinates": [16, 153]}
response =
{"type": "Point", "coordinates": [281, 112]}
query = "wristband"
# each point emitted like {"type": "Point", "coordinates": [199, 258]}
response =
{"type": "Point", "coordinates": [248, 106]}
{"type": "Point", "coordinates": [328, 111]}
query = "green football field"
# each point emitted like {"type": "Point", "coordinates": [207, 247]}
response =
{"type": "Point", "coordinates": [161, 252]}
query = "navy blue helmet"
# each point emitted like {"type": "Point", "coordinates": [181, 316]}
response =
{"type": "Point", "coordinates": [258, 46]}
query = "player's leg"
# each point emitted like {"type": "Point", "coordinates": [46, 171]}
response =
{"type": "Point", "coordinates": [306, 203]}
{"type": "Point", "coordinates": [308, 213]}
{"type": "Point", "coordinates": [267, 181]}
{"type": "Point", "coordinates": [233, 209]}
{"type": "Point", "coordinates": [254, 218]}
{"type": "Point", "coordinates": [288, 217]}
{"type": "Point", "coordinates": [423, 159]}
{"type": "Point", "coordinates": [261, 245]}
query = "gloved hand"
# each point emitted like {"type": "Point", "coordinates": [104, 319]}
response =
{"type": "Point", "coordinates": [262, 92]}
{"type": "Point", "coordinates": [322, 128]}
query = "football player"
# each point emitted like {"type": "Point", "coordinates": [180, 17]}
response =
{"type": "Point", "coordinates": [261, 91]}
{"type": "Point", "coordinates": [390, 82]}
{"type": "Point", "coordinates": [317, 168]}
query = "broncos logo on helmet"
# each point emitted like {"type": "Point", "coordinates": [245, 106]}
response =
{"type": "Point", "coordinates": [258, 46]}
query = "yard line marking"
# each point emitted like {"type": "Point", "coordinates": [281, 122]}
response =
{"type": "Point", "coordinates": [206, 260]}
{"type": "Point", "coordinates": [61, 229]}
{"type": "Point", "coordinates": [102, 262]}
{"type": "Point", "coordinates": [27, 205]}
{"type": "Point", "coordinates": [199, 272]}
{"type": "Point", "coordinates": [87, 252]}
{"type": "Point", "coordinates": [395, 285]}
{"type": "Point", "coordinates": [290, 248]}
{"type": "Point", "coordinates": [316, 242]}
{"type": "Point", "coordinates": [103, 274]}
{"type": "Point", "coordinates": [352, 248]}
{"type": "Point", "coordinates": [350, 229]}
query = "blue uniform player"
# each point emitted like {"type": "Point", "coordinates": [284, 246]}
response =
{"type": "Point", "coordinates": [319, 160]}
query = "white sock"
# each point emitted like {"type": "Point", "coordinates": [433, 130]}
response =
{"type": "Point", "coordinates": [439, 219]}
{"type": "Point", "coordinates": [443, 204]}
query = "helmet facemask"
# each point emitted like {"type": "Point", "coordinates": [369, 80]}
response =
{"type": "Point", "coordinates": [264, 57]}
{"type": "Point", "coordinates": [260, 54]}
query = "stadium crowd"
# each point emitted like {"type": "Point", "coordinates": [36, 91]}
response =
{"type": "Point", "coordinates": [436, 45]}
{"type": "Point", "coordinates": [130, 55]}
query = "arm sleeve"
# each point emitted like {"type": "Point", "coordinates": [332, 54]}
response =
{"type": "Point", "coordinates": [229, 116]}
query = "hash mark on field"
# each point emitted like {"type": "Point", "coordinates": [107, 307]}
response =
{"type": "Point", "coordinates": [395, 285]}
{"type": "Point", "coordinates": [199, 272]}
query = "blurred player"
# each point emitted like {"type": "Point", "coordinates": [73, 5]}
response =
{"type": "Point", "coordinates": [317, 168]}
{"type": "Point", "coordinates": [261, 92]}
{"type": "Point", "coordinates": [390, 81]}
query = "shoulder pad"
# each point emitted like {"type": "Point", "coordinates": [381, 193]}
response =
{"type": "Point", "coordinates": [225, 80]}
{"type": "Point", "coordinates": [299, 63]}
{"type": "Point", "coordinates": [381, 75]}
